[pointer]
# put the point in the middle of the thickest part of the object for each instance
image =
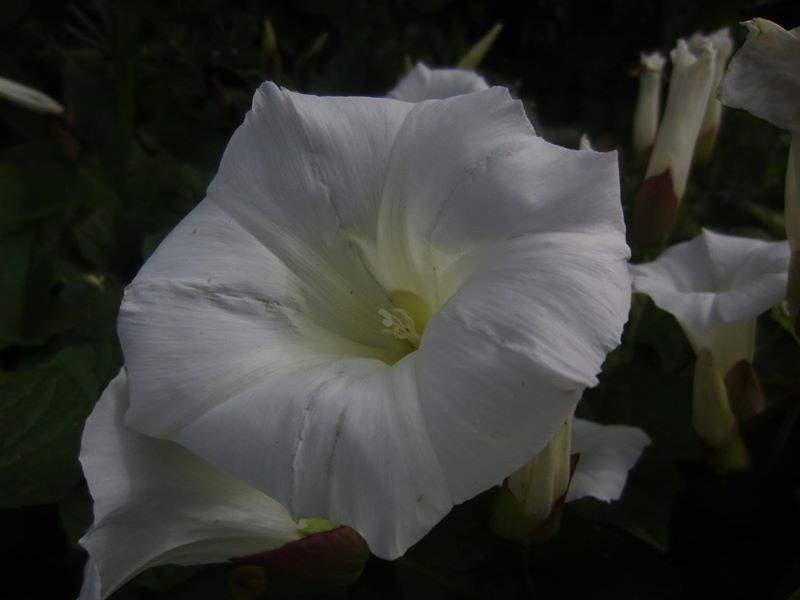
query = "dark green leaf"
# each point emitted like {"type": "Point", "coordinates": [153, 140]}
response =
{"type": "Point", "coordinates": [42, 411]}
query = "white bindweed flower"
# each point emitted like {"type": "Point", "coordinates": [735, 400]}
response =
{"type": "Point", "coordinates": [381, 308]}
{"type": "Point", "coordinates": [648, 103]}
{"type": "Point", "coordinates": [29, 98]}
{"type": "Point", "coordinates": [764, 79]}
{"type": "Point", "coordinates": [422, 83]}
{"type": "Point", "coordinates": [722, 42]}
{"type": "Point", "coordinates": [715, 286]}
{"type": "Point", "coordinates": [656, 203]}
{"type": "Point", "coordinates": [583, 459]}
{"type": "Point", "coordinates": [155, 503]}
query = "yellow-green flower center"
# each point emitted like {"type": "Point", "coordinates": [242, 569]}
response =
{"type": "Point", "coordinates": [406, 318]}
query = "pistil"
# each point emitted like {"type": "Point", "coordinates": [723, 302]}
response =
{"type": "Point", "coordinates": [399, 324]}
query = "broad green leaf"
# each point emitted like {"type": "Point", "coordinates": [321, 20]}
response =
{"type": "Point", "coordinates": [42, 411]}
{"type": "Point", "coordinates": [29, 309]}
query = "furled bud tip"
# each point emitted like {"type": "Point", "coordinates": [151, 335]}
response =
{"type": "Point", "coordinates": [328, 555]}
{"type": "Point", "coordinates": [722, 42]}
{"type": "Point", "coordinates": [29, 98]}
{"type": "Point", "coordinates": [689, 89]}
{"type": "Point", "coordinates": [712, 417]}
{"type": "Point", "coordinates": [648, 104]}
{"type": "Point", "coordinates": [528, 507]}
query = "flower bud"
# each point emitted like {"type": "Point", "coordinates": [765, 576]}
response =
{"type": "Point", "coordinates": [529, 504]}
{"type": "Point", "coordinates": [656, 203]}
{"type": "Point", "coordinates": [648, 104]}
{"type": "Point", "coordinates": [29, 98]}
{"type": "Point", "coordinates": [722, 42]}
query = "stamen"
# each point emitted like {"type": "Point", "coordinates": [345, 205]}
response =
{"type": "Point", "coordinates": [400, 324]}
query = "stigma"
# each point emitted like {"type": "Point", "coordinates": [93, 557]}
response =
{"type": "Point", "coordinates": [399, 323]}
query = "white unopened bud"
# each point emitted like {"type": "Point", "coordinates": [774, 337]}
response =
{"type": "Point", "coordinates": [722, 42]}
{"type": "Point", "coordinates": [648, 103]}
{"type": "Point", "coordinates": [689, 88]}
{"type": "Point", "coordinates": [541, 482]}
{"type": "Point", "coordinates": [29, 98]}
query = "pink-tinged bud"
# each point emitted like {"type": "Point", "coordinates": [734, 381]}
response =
{"type": "Point", "coordinates": [655, 210]}
{"type": "Point", "coordinates": [332, 558]}
{"type": "Point", "coordinates": [689, 88]}
{"type": "Point", "coordinates": [744, 391]}
{"type": "Point", "coordinates": [656, 203]}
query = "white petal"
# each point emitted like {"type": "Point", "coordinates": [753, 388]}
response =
{"type": "Point", "coordinates": [715, 285]}
{"type": "Point", "coordinates": [90, 588]}
{"type": "Point", "coordinates": [536, 188]}
{"type": "Point", "coordinates": [349, 442]}
{"type": "Point", "coordinates": [531, 324]}
{"type": "Point", "coordinates": [29, 98]}
{"type": "Point", "coordinates": [607, 453]}
{"type": "Point", "coordinates": [155, 503]}
{"type": "Point", "coordinates": [422, 83]}
{"type": "Point", "coordinates": [764, 75]}
{"type": "Point", "coordinates": [689, 89]}
{"type": "Point", "coordinates": [304, 175]}
{"type": "Point", "coordinates": [441, 146]}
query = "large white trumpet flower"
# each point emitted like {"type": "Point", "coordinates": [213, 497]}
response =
{"type": "Point", "coordinates": [381, 308]}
